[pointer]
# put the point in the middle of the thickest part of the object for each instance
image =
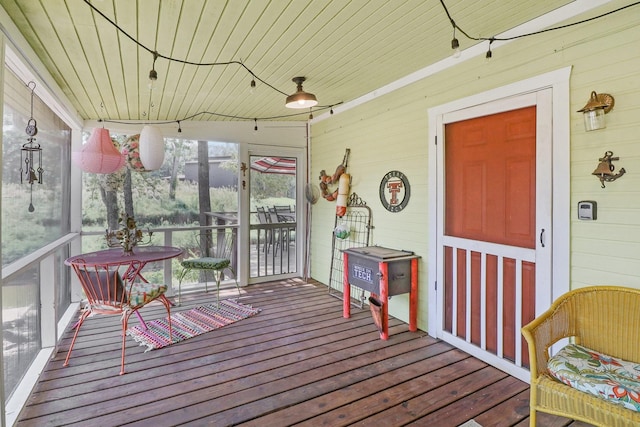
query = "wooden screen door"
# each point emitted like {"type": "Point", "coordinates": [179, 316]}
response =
{"type": "Point", "coordinates": [495, 236]}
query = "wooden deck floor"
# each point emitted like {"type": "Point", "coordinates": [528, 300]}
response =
{"type": "Point", "coordinates": [298, 362]}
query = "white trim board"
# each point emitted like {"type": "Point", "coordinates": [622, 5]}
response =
{"type": "Point", "coordinates": [558, 81]}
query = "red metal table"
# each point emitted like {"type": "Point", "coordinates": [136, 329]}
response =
{"type": "Point", "coordinates": [142, 255]}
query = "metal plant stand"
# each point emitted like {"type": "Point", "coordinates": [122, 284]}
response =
{"type": "Point", "coordinates": [358, 222]}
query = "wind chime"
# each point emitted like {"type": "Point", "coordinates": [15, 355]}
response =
{"type": "Point", "coordinates": [27, 153]}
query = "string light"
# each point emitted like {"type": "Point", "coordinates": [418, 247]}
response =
{"type": "Point", "coordinates": [153, 74]}
{"type": "Point", "coordinates": [455, 44]}
{"type": "Point", "coordinates": [255, 127]}
{"type": "Point", "coordinates": [489, 54]}
{"type": "Point", "coordinates": [211, 113]}
{"type": "Point", "coordinates": [153, 77]}
{"type": "Point", "coordinates": [157, 55]}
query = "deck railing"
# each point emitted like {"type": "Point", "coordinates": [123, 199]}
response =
{"type": "Point", "coordinates": [39, 284]}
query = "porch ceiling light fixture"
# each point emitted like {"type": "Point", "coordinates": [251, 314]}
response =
{"type": "Point", "coordinates": [599, 104]}
{"type": "Point", "coordinates": [301, 99]}
{"type": "Point", "coordinates": [151, 148]}
{"type": "Point", "coordinates": [99, 154]}
{"type": "Point", "coordinates": [605, 169]}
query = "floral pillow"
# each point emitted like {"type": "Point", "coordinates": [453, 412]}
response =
{"type": "Point", "coordinates": [615, 380]}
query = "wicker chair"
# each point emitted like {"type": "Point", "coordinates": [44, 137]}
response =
{"type": "Point", "coordinates": [603, 318]}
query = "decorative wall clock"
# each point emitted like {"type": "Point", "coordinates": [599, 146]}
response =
{"type": "Point", "coordinates": [394, 191]}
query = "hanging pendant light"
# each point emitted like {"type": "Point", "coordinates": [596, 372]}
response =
{"type": "Point", "coordinates": [99, 154]}
{"type": "Point", "coordinates": [151, 148]}
{"type": "Point", "coordinates": [301, 99]}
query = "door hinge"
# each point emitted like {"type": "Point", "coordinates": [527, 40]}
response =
{"type": "Point", "coordinates": [435, 140]}
{"type": "Point", "coordinates": [436, 285]}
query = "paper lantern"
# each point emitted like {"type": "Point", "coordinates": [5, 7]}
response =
{"type": "Point", "coordinates": [151, 148]}
{"type": "Point", "coordinates": [131, 152]}
{"type": "Point", "coordinates": [99, 154]}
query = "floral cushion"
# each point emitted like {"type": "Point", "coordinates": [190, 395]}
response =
{"type": "Point", "coordinates": [206, 263]}
{"type": "Point", "coordinates": [609, 378]}
{"type": "Point", "coordinates": [142, 293]}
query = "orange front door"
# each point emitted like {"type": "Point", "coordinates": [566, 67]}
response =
{"type": "Point", "coordinates": [490, 211]}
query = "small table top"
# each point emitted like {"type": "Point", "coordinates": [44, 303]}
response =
{"type": "Point", "coordinates": [379, 253]}
{"type": "Point", "coordinates": [114, 256]}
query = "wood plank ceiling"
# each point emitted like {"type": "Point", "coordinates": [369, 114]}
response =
{"type": "Point", "coordinates": [345, 49]}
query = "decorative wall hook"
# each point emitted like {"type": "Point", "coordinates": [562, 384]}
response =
{"type": "Point", "coordinates": [605, 169]}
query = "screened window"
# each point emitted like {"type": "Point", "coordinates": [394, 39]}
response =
{"type": "Point", "coordinates": [167, 197]}
{"type": "Point", "coordinates": [32, 217]}
{"type": "Point", "coordinates": [23, 230]}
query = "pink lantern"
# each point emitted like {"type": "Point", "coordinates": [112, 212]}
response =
{"type": "Point", "coordinates": [99, 154]}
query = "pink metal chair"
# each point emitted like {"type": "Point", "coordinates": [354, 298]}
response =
{"type": "Point", "coordinates": [111, 289]}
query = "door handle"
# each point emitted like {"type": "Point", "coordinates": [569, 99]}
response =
{"type": "Point", "coordinates": [542, 238]}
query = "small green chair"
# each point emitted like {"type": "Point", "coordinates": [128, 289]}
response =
{"type": "Point", "coordinates": [220, 250]}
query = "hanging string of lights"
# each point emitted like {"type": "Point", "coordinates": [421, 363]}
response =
{"type": "Point", "coordinates": [153, 77]}
{"type": "Point", "coordinates": [455, 46]}
{"type": "Point", "coordinates": [228, 116]}
{"type": "Point", "coordinates": [455, 43]}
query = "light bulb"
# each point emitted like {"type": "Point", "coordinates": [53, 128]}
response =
{"type": "Point", "coordinates": [489, 54]}
{"type": "Point", "coordinates": [455, 45]}
{"type": "Point", "coordinates": [153, 78]}
{"type": "Point", "coordinates": [153, 74]}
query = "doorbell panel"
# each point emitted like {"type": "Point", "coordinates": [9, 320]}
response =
{"type": "Point", "coordinates": [587, 210]}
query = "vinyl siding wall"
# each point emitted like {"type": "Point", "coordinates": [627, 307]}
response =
{"type": "Point", "coordinates": [391, 133]}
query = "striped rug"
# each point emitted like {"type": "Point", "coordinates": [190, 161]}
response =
{"type": "Point", "coordinates": [190, 323]}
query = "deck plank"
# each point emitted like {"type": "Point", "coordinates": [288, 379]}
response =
{"type": "Point", "coordinates": [297, 362]}
{"type": "Point", "coordinates": [387, 373]}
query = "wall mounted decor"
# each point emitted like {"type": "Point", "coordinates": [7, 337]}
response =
{"type": "Point", "coordinates": [343, 179]}
{"type": "Point", "coordinates": [27, 153]}
{"type": "Point", "coordinates": [599, 104]}
{"type": "Point", "coordinates": [395, 191]}
{"type": "Point", "coordinates": [605, 169]}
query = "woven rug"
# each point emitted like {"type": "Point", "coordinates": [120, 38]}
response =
{"type": "Point", "coordinates": [190, 323]}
